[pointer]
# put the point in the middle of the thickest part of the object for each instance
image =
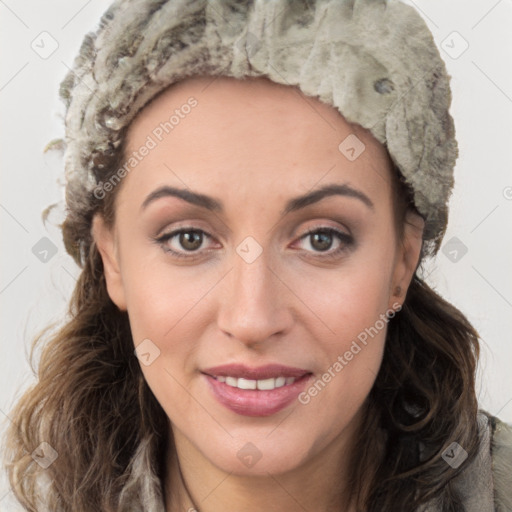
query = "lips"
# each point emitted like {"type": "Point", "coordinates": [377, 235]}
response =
{"type": "Point", "coordinates": [261, 391]}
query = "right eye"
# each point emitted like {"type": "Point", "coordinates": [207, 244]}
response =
{"type": "Point", "coordinates": [182, 241]}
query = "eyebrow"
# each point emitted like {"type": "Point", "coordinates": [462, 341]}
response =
{"type": "Point", "coordinates": [292, 205]}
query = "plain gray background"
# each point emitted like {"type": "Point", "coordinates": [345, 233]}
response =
{"type": "Point", "coordinates": [473, 269]}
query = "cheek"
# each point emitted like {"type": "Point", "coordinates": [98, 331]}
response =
{"type": "Point", "coordinates": [350, 342]}
{"type": "Point", "coordinates": [167, 307]}
{"type": "Point", "coordinates": [349, 326]}
{"type": "Point", "coordinates": [347, 300]}
{"type": "Point", "coordinates": [162, 297]}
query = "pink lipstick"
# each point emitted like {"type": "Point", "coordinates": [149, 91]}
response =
{"type": "Point", "coordinates": [261, 391]}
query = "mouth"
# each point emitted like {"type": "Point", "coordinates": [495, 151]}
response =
{"type": "Point", "coordinates": [261, 391]}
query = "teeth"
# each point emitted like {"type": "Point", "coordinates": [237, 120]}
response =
{"type": "Point", "coordinates": [262, 384]}
{"type": "Point", "coordinates": [232, 381]}
{"type": "Point", "coordinates": [266, 384]}
{"type": "Point", "coordinates": [246, 384]}
{"type": "Point", "coordinates": [280, 382]}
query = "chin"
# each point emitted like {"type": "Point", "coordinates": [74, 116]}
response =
{"type": "Point", "coordinates": [256, 451]}
{"type": "Point", "coordinates": [250, 459]}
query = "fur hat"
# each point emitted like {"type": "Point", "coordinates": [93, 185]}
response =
{"type": "Point", "coordinates": [373, 60]}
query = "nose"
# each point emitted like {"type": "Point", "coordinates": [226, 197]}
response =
{"type": "Point", "coordinates": [254, 306]}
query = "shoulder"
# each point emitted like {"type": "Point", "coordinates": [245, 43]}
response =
{"type": "Point", "coordinates": [501, 454]}
{"type": "Point", "coordinates": [485, 484]}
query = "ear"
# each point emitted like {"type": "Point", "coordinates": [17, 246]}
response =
{"type": "Point", "coordinates": [408, 255]}
{"type": "Point", "coordinates": [105, 240]}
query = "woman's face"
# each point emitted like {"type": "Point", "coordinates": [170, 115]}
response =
{"type": "Point", "coordinates": [238, 272]}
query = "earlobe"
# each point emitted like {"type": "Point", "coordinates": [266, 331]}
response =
{"type": "Point", "coordinates": [408, 256]}
{"type": "Point", "coordinates": [104, 239]}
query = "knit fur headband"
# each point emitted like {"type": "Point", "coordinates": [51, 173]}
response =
{"type": "Point", "coordinates": [373, 60]}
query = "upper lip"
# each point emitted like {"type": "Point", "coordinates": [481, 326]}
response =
{"type": "Point", "coordinates": [255, 373]}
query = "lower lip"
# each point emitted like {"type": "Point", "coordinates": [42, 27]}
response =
{"type": "Point", "coordinates": [251, 402]}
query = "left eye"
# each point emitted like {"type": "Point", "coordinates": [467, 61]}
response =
{"type": "Point", "coordinates": [322, 239]}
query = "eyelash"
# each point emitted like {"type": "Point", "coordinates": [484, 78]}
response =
{"type": "Point", "coordinates": [347, 241]}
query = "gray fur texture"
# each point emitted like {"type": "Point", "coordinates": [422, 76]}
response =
{"type": "Point", "coordinates": [373, 60]}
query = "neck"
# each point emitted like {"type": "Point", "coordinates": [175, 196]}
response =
{"type": "Point", "coordinates": [194, 484]}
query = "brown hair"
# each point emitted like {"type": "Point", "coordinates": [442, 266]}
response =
{"type": "Point", "coordinates": [92, 404]}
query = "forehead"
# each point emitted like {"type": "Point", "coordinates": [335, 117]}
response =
{"type": "Point", "coordinates": [251, 132]}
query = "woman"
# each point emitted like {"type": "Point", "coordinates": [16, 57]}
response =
{"type": "Point", "coordinates": [251, 190]}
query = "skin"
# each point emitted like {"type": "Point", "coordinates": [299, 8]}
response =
{"type": "Point", "coordinates": [253, 145]}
